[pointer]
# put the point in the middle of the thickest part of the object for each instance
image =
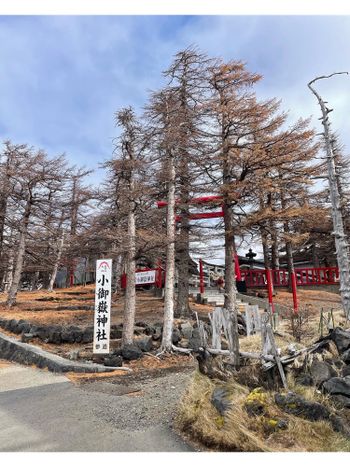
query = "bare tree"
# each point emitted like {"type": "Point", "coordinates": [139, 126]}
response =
{"type": "Point", "coordinates": [341, 244]}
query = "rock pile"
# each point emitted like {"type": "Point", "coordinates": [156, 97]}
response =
{"type": "Point", "coordinates": [329, 368]}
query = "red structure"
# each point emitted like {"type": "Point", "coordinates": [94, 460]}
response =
{"type": "Point", "coordinates": [269, 289]}
{"type": "Point", "coordinates": [237, 269]}
{"type": "Point", "coordinates": [294, 289]}
{"type": "Point", "coordinates": [159, 277]}
{"type": "Point", "coordinates": [303, 276]}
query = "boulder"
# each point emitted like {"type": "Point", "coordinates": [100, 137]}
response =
{"type": "Point", "coordinates": [131, 352]}
{"type": "Point", "coordinates": [55, 335]}
{"type": "Point", "coordinates": [12, 325]}
{"type": "Point", "coordinates": [141, 324]}
{"type": "Point", "coordinates": [186, 329]}
{"type": "Point", "coordinates": [304, 379]}
{"type": "Point", "coordinates": [341, 339]}
{"type": "Point", "coordinates": [138, 330]}
{"type": "Point", "coordinates": [340, 425]}
{"type": "Point", "coordinates": [68, 336]}
{"type": "Point", "coordinates": [156, 344]}
{"type": "Point", "coordinates": [116, 332]}
{"type": "Point", "coordinates": [338, 386]}
{"type": "Point", "coordinates": [195, 342]}
{"type": "Point", "coordinates": [43, 332]}
{"type": "Point", "coordinates": [341, 401]}
{"type": "Point", "coordinates": [220, 401]}
{"type": "Point", "coordinates": [321, 372]}
{"type": "Point", "coordinates": [255, 403]}
{"type": "Point", "coordinates": [88, 335]}
{"type": "Point", "coordinates": [144, 343]}
{"type": "Point", "coordinates": [24, 327]}
{"type": "Point", "coordinates": [175, 336]}
{"type": "Point", "coordinates": [34, 330]}
{"type": "Point", "coordinates": [346, 356]}
{"type": "Point", "coordinates": [113, 360]}
{"type": "Point", "coordinates": [26, 337]}
{"type": "Point", "coordinates": [157, 333]}
{"type": "Point", "coordinates": [346, 370]}
{"type": "Point", "coordinates": [297, 405]}
{"type": "Point", "coordinates": [77, 333]}
{"type": "Point", "coordinates": [184, 344]}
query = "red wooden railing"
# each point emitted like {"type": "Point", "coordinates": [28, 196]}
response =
{"type": "Point", "coordinates": [303, 276]}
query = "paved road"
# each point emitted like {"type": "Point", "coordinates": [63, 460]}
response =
{"type": "Point", "coordinates": [41, 411]}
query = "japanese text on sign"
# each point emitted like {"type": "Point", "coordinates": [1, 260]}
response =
{"type": "Point", "coordinates": [145, 277]}
{"type": "Point", "coordinates": [102, 306]}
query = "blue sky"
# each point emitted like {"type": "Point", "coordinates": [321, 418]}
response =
{"type": "Point", "coordinates": [63, 77]}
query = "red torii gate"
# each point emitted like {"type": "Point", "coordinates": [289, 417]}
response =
{"type": "Point", "coordinates": [204, 215]}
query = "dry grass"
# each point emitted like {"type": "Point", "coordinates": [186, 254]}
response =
{"type": "Point", "coordinates": [238, 431]}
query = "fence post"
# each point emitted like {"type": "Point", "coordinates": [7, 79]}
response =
{"type": "Point", "coordinates": [201, 277]}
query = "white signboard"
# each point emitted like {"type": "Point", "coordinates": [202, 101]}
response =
{"type": "Point", "coordinates": [102, 319]}
{"type": "Point", "coordinates": [145, 277]}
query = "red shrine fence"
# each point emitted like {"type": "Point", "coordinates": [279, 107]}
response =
{"type": "Point", "coordinates": [303, 276]}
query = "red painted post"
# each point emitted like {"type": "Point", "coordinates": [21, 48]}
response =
{"type": "Point", "coordinates": [294, 289]}
{"type": "Point", "coordinates": [237, 269]}
{"type": "Point", "coordinates": [201, 277]}
{"type": "Point", "coordinates": [71, 278]}
{"type": "Point", "coordinates": [269, 289]}
{"type": "Point", "coordinates": [123, 281]}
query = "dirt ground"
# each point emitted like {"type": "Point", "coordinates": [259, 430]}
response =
{"type": "Point", "coordinates": [55, 308]}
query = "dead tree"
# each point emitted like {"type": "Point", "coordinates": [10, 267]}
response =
{"type": "Point", "coordinates": [341, 245]}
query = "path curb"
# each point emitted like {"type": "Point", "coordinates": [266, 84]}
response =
{"type": "Point", "coordinates": [16, 351]}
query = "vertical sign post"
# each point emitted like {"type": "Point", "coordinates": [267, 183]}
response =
{"type": "Point", "coordinates": [102, 320]}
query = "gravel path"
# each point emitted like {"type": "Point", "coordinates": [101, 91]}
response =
{"type": "Point", "coordinates": [145, 402]}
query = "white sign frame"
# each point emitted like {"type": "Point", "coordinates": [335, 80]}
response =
{"type": "Point", "coordinates": [102, 316]}
{"type": "Point", "coordinates": [145, 277]}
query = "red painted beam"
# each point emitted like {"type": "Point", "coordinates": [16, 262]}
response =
{"type": "Point", "coordinates": [200, 200]}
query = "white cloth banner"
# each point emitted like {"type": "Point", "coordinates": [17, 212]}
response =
{"type": "Point", "coordinates": [102, 319]}
{"type": "Point", "coordinates": [145, 277]}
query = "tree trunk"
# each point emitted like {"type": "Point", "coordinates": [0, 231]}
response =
{"type": "Point", "coordinates": [130, 291]}
{"type": "Point", "coordinates": [182, 306]}
{"type": "Point", "coordinates": [170, 262]}
{"type": "Point", "coordinates": [12, 294]}
{"type": "Point", "coordinates": [57, 262]}
{"type": "Point", "coordinates": [274, 247]}
{"type": "Point", "coordinates": [8, 276]}
{"type": "Point", "coordinates": [341, 245]}
{"type": "Point", "coordinates": [230, 281]}
{"type": "Point", "coordinates": [265, 246]}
